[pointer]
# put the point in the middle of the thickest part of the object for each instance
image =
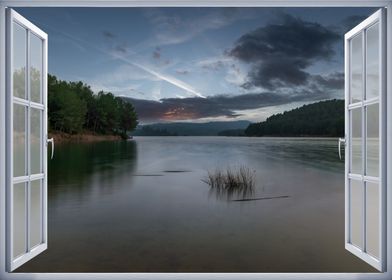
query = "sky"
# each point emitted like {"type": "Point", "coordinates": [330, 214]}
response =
{"type": "Point", "coordinates": [202, 64]}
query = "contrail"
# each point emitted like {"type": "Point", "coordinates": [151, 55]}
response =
{"type": "Point", "coordinates": [160, 76]}
{"type": "Point", "coordinates": [167, 78]}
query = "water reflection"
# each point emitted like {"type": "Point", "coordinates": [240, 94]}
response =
{"type": "Point", "coordinates": [78, 168]}
{"type": "Point", "coordinates": [232, 183]}
{"type": "Point", "coordinates": [140, 206]}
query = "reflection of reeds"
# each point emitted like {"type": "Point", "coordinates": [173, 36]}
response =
{"type": "Point", "coordinates": [229, 183]}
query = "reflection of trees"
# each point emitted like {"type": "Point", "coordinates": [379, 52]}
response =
{"type": "Point", "coordinates": [35, 84]}
{"type": "Point", "coordinates": [20, 83]}
{"type": "Point", "coordinates": [74, 165]}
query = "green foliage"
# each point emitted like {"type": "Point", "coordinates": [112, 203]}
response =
{"type": "Point", "coordinates": [325, 118]}
{"type": "Point", "coordinates": [128, 117]}
{"type": "Point", "coordinates": [68, 111]}
{"type": "Point", "coordinates": [74, 107]}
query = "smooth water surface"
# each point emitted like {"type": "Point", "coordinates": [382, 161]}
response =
{"type": "Point", "coordinates": [141, 206]}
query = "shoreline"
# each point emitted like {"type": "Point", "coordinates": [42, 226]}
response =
{"type": "Point", "coordinates": [86, 137]}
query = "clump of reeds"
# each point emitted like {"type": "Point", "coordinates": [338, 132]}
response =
{"type": "Point", "coordinates": [230, 183]}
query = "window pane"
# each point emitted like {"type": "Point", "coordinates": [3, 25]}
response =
{"type": "Point", "coordinates": [35, 213]}
{"type": "Point", "coordinates": [372, 219]}
{"type": "Point", "coordinates": [19, 141]}
{"type": "Point", "coordinates": [36, 67]}
{"type": "Point", "coordinates": [372, 62]}
{"type": "Point", "coordinates": [356, 141]}
{"type": "Point", "coordinates": [372, 140]}
{"type": "Point", "coordinates": [19, 61]}
{"type": "Point", "coordinates": [356, 216]}
{"type": "Point", "coordinates": [35, 141]}
{"type": "Point", "coordinates": [19, 220]}
{"type": "Point", "coordinates": [356, 86]}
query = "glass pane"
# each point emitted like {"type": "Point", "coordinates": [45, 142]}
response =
{"type": "Point", "coordinates": [356, 206]}
{"type": "Point", "coordinates": [356, 86]}
{"type": "Point", "coordinates": [19, 61]}
{"type": "Point", "coordinates": [19, 141]}
{"type": "Point", "coordinates": [35, 214]}
{"type": "Point", "coordinates": [356, 141]}
{"type": "Point", "coordinates": [35, 68]}
{"type": "Point", "coordinates": [372, 62]}
{"type": "Point", "coordinates": [19, 220]}
{"type": "Point", "coordinates": [372, 219]}
{"type": "Point", "coordinates": [35, 141]}
{"type": "Point", "coordinates": [372, 140]}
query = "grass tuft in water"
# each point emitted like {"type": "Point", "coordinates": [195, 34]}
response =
{"type": "Point", "coordinates": [231, 183]}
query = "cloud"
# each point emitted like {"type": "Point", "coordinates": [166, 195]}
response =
{"type": "Point", "coordinates": [120, 52]}
{"type": "Point", "coordinates": [124, 75]}
{"type": "Point", "coordinates": [120, 55]}
{"type": "Point", "coordinates": [332, 81]}
{"type": "Point", "coordinates": [167, 78]}
{"type": "Point", "coordinates": [182, 72]}
{"type": "Point", "coordinates": [278, 72]}
{"type": "Point", "coordinates": [108, 34]}
{"type": "Point", "coordinates": [173, 109]}
{"type": "Point", "coordinates": [122, 48]}
{"type": "Point", "coordinates": [279, 54]}
{"type": "Point", "coordinates": [173, 29]}
{"type": "Point", "coordinates": [349, 23]}
{"type": "Point", "coordinates": [156, 54]}
{"type": "Point", "coordinates": [214, 63]}
{"type": "Point", "coordinates": [235, 76]}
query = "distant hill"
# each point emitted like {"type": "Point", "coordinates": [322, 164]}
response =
{"type": "Point", "coordinates": [232, 132]}
{"type": "Point", "coordinates": [325, 118]}
{"type": "Point", "coordinates": [189, 129]}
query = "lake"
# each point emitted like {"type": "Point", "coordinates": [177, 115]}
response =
{"type": "Point", "coordinates": [142, 206]}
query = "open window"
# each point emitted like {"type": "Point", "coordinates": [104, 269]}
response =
{"type": "Point", "coordinates": [365, 130]}
{"type": "Point", "coordinates": [26, 140]}
{"type": "Point", "coordinates": [365, 141]}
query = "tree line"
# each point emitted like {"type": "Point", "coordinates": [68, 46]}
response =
{"type": "Point", "coordinates": [73, 107]}
{"type": "Point", "coordinates": [325, 118]}
{"type": "Point", "coordinates": [148, 130]}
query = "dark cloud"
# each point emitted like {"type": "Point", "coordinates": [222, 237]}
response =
{"type": "Point", "coordinates": [182, 72]}
{"type": "Point", "coordinates": [281, 53]}
{"type": "Point", "coordinates": [156, 54]}
{"type": "Point", "coordinates": [108, 34]}
{"type": "Point", "coordinates": [331, 81]}
{"type": "Point", "coordinates": [112, 41]}
{"type": "Point", "coordinates": [349, 23]}
{"type": "Point", "coordinates": [216, 106]}
{"type": "Point", "coordinates": [278, 72]}
{"type": "Point", "coordinates": [122, 48]}
{"type": "Point", "coordinates": [214, 65]}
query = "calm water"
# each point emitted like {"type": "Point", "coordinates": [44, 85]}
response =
{"type": "Point", "coordinates": [141, 206]}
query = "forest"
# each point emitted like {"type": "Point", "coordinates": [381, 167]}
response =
{"type": "Point", "coordinates": [74, 108]}
{"type": "Point", "coordinates": [324, 118]}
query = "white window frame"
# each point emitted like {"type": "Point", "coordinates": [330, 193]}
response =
{"type": "Point", "coordinates": [189, 3]}
{"type": "Point", "coordinates": [376, 18]}
{"type": "Point", "coordinates": [11, 101]}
